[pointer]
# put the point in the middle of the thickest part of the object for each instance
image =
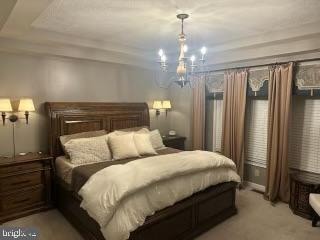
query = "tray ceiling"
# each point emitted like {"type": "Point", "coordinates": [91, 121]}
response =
{"type": "Point", "coordinates": [138, 28]}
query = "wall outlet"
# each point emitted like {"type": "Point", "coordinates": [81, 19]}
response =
{"type": "Point", "coordinates": [256, 172]}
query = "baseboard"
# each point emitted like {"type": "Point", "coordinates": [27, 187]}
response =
{"type": "Point", "coordinates": [255, 186]}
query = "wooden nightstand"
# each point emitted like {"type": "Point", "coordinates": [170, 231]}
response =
{"type": "Point", "coordinates": [301, 185]}
{"type": "Point", "coordinates": [174, 142]}
{"type": "Point", "coordinates": [25, 185]}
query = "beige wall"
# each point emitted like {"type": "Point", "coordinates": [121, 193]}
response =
{"type": "Point", "coordinates": [63, 79]}
{"type": "Point", "coordinates": [181, 114]}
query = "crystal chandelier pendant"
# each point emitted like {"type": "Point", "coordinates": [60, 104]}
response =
{"type": "Point", "coordinates": [185, 70]}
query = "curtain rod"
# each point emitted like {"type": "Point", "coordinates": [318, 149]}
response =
{"type": "Point", "coordinates": [265, 65]}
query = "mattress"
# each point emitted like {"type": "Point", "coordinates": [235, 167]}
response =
{"type": "Point", "coordinates": [64, 169]}
{"type": "Point", "coordinates": [76, 175]}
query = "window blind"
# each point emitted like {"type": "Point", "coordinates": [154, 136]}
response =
{"type": "Point", "coordinates": [304, 135]}
{"type": "Point", "coordinates": [217, 125]}
{"type": "Point", "coordinates": [256, 132]}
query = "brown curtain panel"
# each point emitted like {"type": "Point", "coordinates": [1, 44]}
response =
{"type": "Point", "coordinates": [234, 108]}
{"type": "Point", "coordinates": [280, 93]}
{"type": "Point", "coordinates": [199, 100]}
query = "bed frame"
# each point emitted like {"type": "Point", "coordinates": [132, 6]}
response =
{"type": "Point", "coordinates": [184, 220]}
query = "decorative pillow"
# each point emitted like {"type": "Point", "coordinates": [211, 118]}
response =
{"type": "Point", "coordinates": [88, 150]}
{"type": "Point", "coordinates": [128, 130]}
{"type": "Point", "coordinates": [134, 129]}
{"type": "Point", "coordinates": [64, 139]}
{"type": "Point", "coordinates": [143, 144]}
{"type": "Point", "coordinates": [122, 146]}
{"type": "Point", "coordinates": [156, 139]}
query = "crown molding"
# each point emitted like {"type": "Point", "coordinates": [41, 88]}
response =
{"type": "Point", "coordinates": [261, 52]}
{"type": "Point", "coordinates": [69, 51]}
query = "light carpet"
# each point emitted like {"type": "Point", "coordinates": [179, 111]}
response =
{"type": "Point", "coordinates": [257, 219]}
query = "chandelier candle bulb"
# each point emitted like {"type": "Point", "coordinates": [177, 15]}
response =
{"type": "Point", "coordinates": [160, 53]}
{"type": "Point", "coordinates": [193, 58]}
{"type": "Point", "coordinates": [203, 51]}
{"type": "Point", "coordinates": [163, 58]}
{"type": "Point", "coordinates": [163, 62]}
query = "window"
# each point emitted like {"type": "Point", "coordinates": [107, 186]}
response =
{"type": "Point", "coordinates": [256, 132]}
{"type": "Point", "coordinates": [214, 125]}
{"type": "Point", "coordinates": [304, 135]}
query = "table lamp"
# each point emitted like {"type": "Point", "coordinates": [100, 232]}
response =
{"type": "Point", "coordinates": [26, 105]}
{"type": "Point", "coordinates": [5, 106]}
{"type": "Point", "coordinates": [157, 105]}
{"type": "Point", "coordinates": [166, 105]}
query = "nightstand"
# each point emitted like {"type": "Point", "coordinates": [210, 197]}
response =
{"type": "Point", "coordinates": [25, 185]}
{"type": "Point", "coordinates": [174, 141]}
{"type": "Point", "coordinates": [301, 185]}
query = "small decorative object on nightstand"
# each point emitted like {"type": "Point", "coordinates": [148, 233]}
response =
{"type": "Point", "coordinates": [301, 185]}
{"type": "Point", "coordinates": [25, 185]}
{"type": "Point", "coordinates": [174, 141]}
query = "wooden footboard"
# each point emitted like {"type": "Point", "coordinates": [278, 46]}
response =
{"type": "Point", "coordinates": [182, 221]}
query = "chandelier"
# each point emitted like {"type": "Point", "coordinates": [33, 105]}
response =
{"type": "Point", "coordinates": [187, 66]}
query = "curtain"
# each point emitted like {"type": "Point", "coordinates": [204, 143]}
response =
{"type": "Point", "coordinates": [234, 105]}
{"type": "Point", "coordinates": [199, 100]}
{"type": "Point", "coordinates": [280, 92]}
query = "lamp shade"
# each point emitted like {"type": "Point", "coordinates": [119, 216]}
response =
{"type": "Point", "coordinates": [166, 104]}
{"type": "Point", "coordinates": [5, 105]}
{"type": "Point", "coordinates": [26, 105]}
{"type": "Point", "coordinates": [157, 105]}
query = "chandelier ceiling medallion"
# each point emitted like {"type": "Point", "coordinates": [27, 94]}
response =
{"type": "Point", "coordinates": [187, 67]}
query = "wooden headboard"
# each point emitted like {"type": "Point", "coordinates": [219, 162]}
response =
{"type": "Point", "coordinates": [74, 117]}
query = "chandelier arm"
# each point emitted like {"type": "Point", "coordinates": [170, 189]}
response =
{"type": "Point", "coordinates": [171, 81]}
{"type": "Point", "coordinates": [157, 82]}
{"type": "Point", "coordinates": [182, 33]}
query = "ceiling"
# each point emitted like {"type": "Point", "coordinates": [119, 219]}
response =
{"type": "Point", "coordinates": [132, 31]}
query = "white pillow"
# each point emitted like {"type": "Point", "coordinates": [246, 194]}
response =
{"type": "Point", "coordinates": [121, 132]}
{"type": "Point", "coordinates": [88, 150]}
{"type": "Point", "coordinates": [156, 139]}
{"type": "Point", "coordinates": [143, 144]}
{"type": "Point", "coordinates": [122, 146]}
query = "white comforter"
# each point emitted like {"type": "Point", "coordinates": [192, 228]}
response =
{"type": "Point", "coordinates": [120, 197]}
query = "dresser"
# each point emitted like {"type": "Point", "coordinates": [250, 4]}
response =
{"type": "Point", "coordinates": [25, 185]}
{"type": "Point", "coordinates": [176, 142]}
{"type": "Point", "coordinates": [301, 185]}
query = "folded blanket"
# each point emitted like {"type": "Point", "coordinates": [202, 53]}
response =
{"type": "Point", "coordinates": [114, 195]}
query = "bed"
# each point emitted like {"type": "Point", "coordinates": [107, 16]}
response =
{"type": "Point", "coordinates": [184, 220]}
